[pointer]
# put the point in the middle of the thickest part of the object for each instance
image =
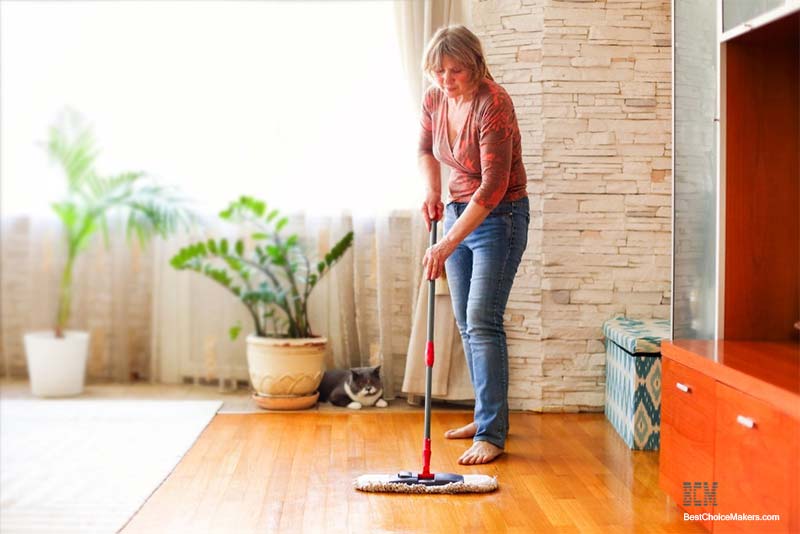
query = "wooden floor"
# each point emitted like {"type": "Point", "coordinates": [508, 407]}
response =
{"type": "Point", "coordinates": [293, 472]}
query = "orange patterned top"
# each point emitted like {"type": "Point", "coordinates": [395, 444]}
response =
{"type": "Point", "coordinates": [486, 159]}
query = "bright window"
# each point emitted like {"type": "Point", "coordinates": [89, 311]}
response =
{"type": "Point", "coordinates": [303, 104]}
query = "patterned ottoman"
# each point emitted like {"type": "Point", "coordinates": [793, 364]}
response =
{"type": "Point", "coordinates": [633, 379]}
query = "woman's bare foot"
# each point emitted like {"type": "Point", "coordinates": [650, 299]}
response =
{"type": "Point", "coordinates": [466, 431]}
{"type": "Point", "coordinates": [481, 452]}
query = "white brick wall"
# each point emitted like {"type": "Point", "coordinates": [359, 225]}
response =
{"type": "Point", "coordinates": [591, 84]}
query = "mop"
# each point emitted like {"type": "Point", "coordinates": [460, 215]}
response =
{"type": "Point", "coordinates": [427, 482]}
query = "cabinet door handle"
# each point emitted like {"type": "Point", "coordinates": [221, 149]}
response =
{"type": "Point", "coordinates": [682, 387]}
{"type": "Point", "coordinates": [745, 421]}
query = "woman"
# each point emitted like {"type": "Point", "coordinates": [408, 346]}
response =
{"type": "Point", "coordinates": [469, 124]}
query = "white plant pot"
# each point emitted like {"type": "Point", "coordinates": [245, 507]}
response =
{"type": "Point", "coordinates": [286, 367]}
{"type": "Point", "coordinates": [57, 366]}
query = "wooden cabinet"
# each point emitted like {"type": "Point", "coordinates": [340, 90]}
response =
{"type": "Point", "coordinates": [756, 462]}
{"type": "Point", "coordinates": [732, 432]}
{"type": "Point", "coordinates": [687, 432]}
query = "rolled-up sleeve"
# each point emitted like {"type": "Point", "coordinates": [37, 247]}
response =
{"type": "Point", "coordinates": [426, 126]}
{"type": "Point", "coordinates": [496, 138]}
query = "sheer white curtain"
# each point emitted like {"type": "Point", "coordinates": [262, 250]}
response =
{"type": "Point", "coordinates": [319, 123]}
{"type": "Point", "coordinates": [148, 320]}
{"type": "Point", "coordinates": [111, 296]}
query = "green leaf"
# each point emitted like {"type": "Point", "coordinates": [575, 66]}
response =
{"type": "Point", "coordinates": [233, 332]}
{"type": "Point", "coordinates": [276, 254]}
{"type": "Point", "coordinates": [320, 267]}
{"type": "Point", "coordinates": [71, 145]}
{"type": "Point", "coordinates": [66, 212]}
{"type": "Point", "coordinates": [223, 246]}
{"type": "Point", "coordinates": [272, 215]}
{"type": "Point", "coordinates": [257, 207]}
{"type": "Point", "coordinates": [234, 264]}
{"type": "Point", "coordinates": [292, 241]}
{"type": "Point", "coordinates": [341, 247]}
{"type": "Point", "coordinates": [259, 235]}
{"type": "Point", "coordinates": [212, 246]}
{"type": "Point", "coordinates": [281, 223]}
{"type": "Point", "coordinates": [240, 247]}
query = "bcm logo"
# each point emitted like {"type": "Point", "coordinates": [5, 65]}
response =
{"type": "Point", "coordinates": [692, 491]}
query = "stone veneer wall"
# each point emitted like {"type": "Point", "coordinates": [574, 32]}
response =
{"type": "Point", "coordinates": [591, 83]}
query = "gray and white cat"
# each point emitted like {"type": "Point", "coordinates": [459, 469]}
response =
{"type": "Point", "coordinates": [354, 388]}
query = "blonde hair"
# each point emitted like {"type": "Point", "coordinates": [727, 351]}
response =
{"type": "Point", "coordinates": [462, 46]}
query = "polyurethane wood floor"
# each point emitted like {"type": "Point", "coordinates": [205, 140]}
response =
{"type": "Point", "coordinates": [293, 472]}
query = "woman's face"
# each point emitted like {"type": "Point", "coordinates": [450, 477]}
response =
{"type": "Point", "coordinates": [453, 79]}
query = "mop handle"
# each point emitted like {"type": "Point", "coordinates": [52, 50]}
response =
{"type": "Point", "coordinates": [429, 356]}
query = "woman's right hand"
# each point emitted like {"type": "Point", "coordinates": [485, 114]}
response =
{"type": "Point", "coordinates": [432, 209]}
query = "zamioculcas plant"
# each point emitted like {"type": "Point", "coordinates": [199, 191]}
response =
{"type": "Point", "coordinates": [148, 209]}
{"type": "Point", "coordinates": [272, 275]}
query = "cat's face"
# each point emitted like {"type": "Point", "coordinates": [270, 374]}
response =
{"type": "Point", "coordinates": [365, 380]}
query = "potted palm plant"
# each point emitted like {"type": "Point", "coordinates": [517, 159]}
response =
{"type": "Point", "coordinates": [57, 358]}
{"type": "Point", "coordinates": [273, 277]}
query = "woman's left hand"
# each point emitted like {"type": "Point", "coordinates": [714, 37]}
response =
{"type": "Point", "coordinates": [434, 259]}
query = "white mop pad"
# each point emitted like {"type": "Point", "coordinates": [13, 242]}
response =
{"type": "Point", "coordinates": [381, 483]}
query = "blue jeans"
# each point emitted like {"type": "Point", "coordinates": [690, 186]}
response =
{"type": "Point", "coordinates": [480, 273]}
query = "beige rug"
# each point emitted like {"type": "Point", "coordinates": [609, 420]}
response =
{"type": "Point", "coordinates": [87, 466]}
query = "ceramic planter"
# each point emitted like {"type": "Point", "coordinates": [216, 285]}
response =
{"type": "Point", "coordinates": [56, 366]}
{"type": "Point", "coordinates": [286, 372]}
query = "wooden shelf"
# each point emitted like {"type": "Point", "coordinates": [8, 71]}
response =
{"type": "Point", "coordinates": [762, 181]}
